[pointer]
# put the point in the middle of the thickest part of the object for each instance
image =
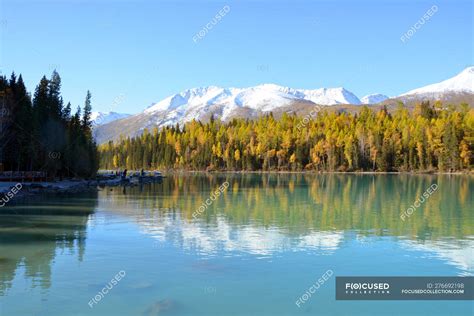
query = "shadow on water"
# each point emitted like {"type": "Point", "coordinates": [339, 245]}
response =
{"type": "Point", "coordinates": [31, 233]}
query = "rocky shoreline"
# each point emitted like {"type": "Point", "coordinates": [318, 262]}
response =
{"type": "Point", "coordinates": [17, 189]}
{"type": "Point", "coordinates": [10, 191]}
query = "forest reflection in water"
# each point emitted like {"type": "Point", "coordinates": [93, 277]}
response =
{"type": "Point", "coordinates": [269, 213]}
{"type": "Point", "coordinates": [258, 214]}
{"type": "Point", "coordinates": [33, 231]}
{"type": "Point", "coordinates": [300, 203]}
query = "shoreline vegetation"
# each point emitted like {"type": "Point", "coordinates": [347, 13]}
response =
{"type": "Point", "coordinates": [431, 138]}
{"type": "Point", "coordinates": [39, 133]}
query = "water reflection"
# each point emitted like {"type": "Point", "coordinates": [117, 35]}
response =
{"type": "Point", "coordinates": [222, 236]}
{"type": "Point", "coordinates": [258, 215]}
{"type": "Point", "coordinates": [459, 253]}
{"type": "Point", "coordinates": [301, 203]}
{"type": "Point", "coordinates": [265, 214]}
{"type": "Point", "coordinates": [32, 233]}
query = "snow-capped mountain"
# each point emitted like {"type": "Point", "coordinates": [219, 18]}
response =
{"type": "Point", "coordinates": [373, 98]}
{"type": "Point", "coordinates": [100, 118]}
{"type": "Point", "coordinates": [227, 103]}
{"type": "Point", "coordinates": [461, 83]}
{"type": "Point", "coordinates": [224, 104]}
{"type": "Point", "coordinates": [189, 104]}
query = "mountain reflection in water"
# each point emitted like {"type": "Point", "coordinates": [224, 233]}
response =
{"type": "Point", "coordinates": [259, 215]}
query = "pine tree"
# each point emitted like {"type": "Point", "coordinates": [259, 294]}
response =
{"type": "Point", "coordinates": [86, 117]}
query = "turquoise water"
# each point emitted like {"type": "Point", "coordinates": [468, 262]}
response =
{"type": "Point", "coordinates": [255, 249]}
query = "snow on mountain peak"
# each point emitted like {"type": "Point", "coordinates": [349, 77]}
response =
{"type": "Point", "coordinates": [100, 118]}
{"type": "Point", "coordinates": [373, 98]}
{"type": "Point", "coordinates": [331, 96]}
{"type": "Point", "coordinates": [469, 70]}
{"type": "Point", "coordinates": [462, 82]}
{"type": "Point", "coordinates": [264, 97]}
{"type": "Point", "coordinates": [270, 86]}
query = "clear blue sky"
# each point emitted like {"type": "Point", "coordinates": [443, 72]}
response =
{"type": "Point", "coordinates": [131, 54]}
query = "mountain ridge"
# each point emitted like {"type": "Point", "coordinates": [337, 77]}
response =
{"type": "Point", "coordinates": [227, 103]}
{"type": "Point", "coordinates": [100, 118]}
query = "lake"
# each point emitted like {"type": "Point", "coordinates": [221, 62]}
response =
{"type": "Point", "coordinates": [184, 247]}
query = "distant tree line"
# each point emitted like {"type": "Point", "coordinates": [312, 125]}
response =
{"type": "Point", "coordinates": [431, 137]}
{"type": "Point", "coordinates": [39, 133]}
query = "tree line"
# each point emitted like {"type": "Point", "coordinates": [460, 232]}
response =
{"type": "Point", "coordinates": [39, 133]}
{"type": "Point", "coordinates": [431, 137]}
